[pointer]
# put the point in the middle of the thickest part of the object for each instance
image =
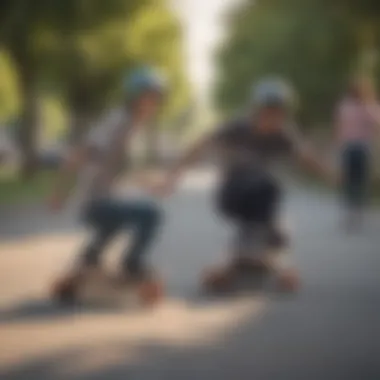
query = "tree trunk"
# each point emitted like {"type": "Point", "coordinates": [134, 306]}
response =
{"type": "Point", "coordinates": [29, 120]}
{"type": "Point", "coordinates": [367, 48]}
{"type": "Point", "coordinates": [80, 110]}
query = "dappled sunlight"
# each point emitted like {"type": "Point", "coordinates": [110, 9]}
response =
{"type": "Point", "coordinates": [97, 358]}
{"type": "Point", "coordinates": [51, 253]}
{"type": "Point", "coordinates": [32, 245]}
{"type": "Point", "coordinates": [176, 323]}
{"type": "Point", "coordinates": [33, 329]}
{"type": "Point", "coordinates": [156, 147]}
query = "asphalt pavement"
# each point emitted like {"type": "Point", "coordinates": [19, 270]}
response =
{"type": "Point", "coordinates": [328, 331]}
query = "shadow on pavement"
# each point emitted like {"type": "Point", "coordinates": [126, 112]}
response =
{"type": "Point", "coordinates": [181, 355]}
{"type": "Point", "coordinates": [328, 332]}
{"type": "Point", "coordinates": [40, 310]}
{"type": "Point", "coordinates": [147, 361]}
{"type": "Point", "coordinates": [286, 343]}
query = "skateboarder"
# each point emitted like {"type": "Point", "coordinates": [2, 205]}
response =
{"type": "Point", "coordinates": [98, 161]}
{"type": "Point", "coordinates": [251, 152]}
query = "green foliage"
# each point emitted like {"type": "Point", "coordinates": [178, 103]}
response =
{"type": "Point", "coordinates": [93, 63]}
{"type": "Point", "coordinates": [79, 50]}
{"type": "Point", "coordinates": [53, 118]}
{"type": "Point", "coordinates": [357, 9]}
{"type": "Point", "coordinates": [364, 19]}
{"type": "Point", "coordinates": [155, 36]}
{"type": "Point", "coordinates": [299, 40]}
{"type": "Point", "coordinates": [9, 96]}
{"type": "Point", "coordinates": [13, 190]}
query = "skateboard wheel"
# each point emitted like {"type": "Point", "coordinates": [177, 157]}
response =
{"type": "Point", "coordinates": [217, 282]}
{"type": "Point", "coordinates": [150, 292]}
{"type": "Point", "coordinates": [250, 266]}
{"type": "Point", "coordinates": [289, 283]}
{"type": "Point", "coordinates": [65, 291]}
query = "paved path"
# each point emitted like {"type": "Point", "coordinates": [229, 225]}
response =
{"type": "Point", "coordinates": [330, 331]}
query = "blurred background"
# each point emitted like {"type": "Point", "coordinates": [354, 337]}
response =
{"type": "Point", "coordinates": [61, 67]}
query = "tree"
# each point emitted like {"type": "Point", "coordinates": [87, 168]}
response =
{"type": "Point", "coordinates": [9, 96]}
{"type": "Point", "coordinates": [25, 25]}
{"type": "Point", "coordinates": [79, 50]}
{"type": "Point", "coordinates": [20, 22]}
{"type": "Point", "coordinates": [299, 40]}
{"type": "Point", "coordinates": [155, 37]}
{"type": "Point", "coordinates": [93, 64]}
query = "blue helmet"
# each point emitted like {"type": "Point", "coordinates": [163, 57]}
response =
{"type": "Point", "coordinates": [273, 92]}
{"type": "Point", "coordinates": [143, 80]}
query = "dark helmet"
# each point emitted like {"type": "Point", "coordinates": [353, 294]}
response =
{"type": "Point", "coordinates": [273, 93]}
{"type": "Point", "coordinates": [143, 80]}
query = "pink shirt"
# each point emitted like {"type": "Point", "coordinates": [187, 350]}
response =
{"type": "Point", "coordinates": [356, 122]}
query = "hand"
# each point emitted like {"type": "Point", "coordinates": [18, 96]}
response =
{"type": "Point", "coordinates": [289, 281]}
{"type": "Point", "coordinates": [163, 188]}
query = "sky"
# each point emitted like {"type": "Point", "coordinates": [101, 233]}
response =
{"type": "Point", "coordinates": [204, 30]}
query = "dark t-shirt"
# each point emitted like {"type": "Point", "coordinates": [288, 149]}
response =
{"type": "Point", "coordinates": [242, 148]}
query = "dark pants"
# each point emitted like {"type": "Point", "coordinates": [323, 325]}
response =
{"type": "Point", "coordinates": [249, 198]}
{"type": "Point", "coordinates": [356, 168]}
{"type": "Point", "coordinates": [109, 217]}
{"type": "Point", "coordinates": [251, 202]}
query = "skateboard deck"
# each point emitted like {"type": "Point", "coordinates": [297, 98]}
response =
{"type": "Point", "coordinates": [254, 281]}
{"type": "Point", "coordinates": [103, 289]}
{"type": "Point", "coordinates": [246, 280]}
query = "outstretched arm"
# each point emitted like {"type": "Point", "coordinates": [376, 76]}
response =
{"type": "Point", "coordinates": [67, 175]}
{"type": "Point", "coordinates": [189, 158]}
{"type": "Point", "coordinates": [308, 158]}
{"type": "Point", "coordinates": [315, 164]}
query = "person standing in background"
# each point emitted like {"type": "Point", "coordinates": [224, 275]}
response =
{"type": "Point", "coordinates": [357, 117]}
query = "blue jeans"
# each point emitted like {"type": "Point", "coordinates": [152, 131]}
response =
{"type": "Point", "coordinates": [108, 217]}
{"type": "Point", "coordinates": [356, 171]}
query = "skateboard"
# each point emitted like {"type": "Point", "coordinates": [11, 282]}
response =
{"type": "Point", "coordinates": [246, 275]}
{"type": "Point", "coordinates": [101, 288]}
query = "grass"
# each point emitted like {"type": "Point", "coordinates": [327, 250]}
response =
{"type": "Point", "coordinates": [13, 190]}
